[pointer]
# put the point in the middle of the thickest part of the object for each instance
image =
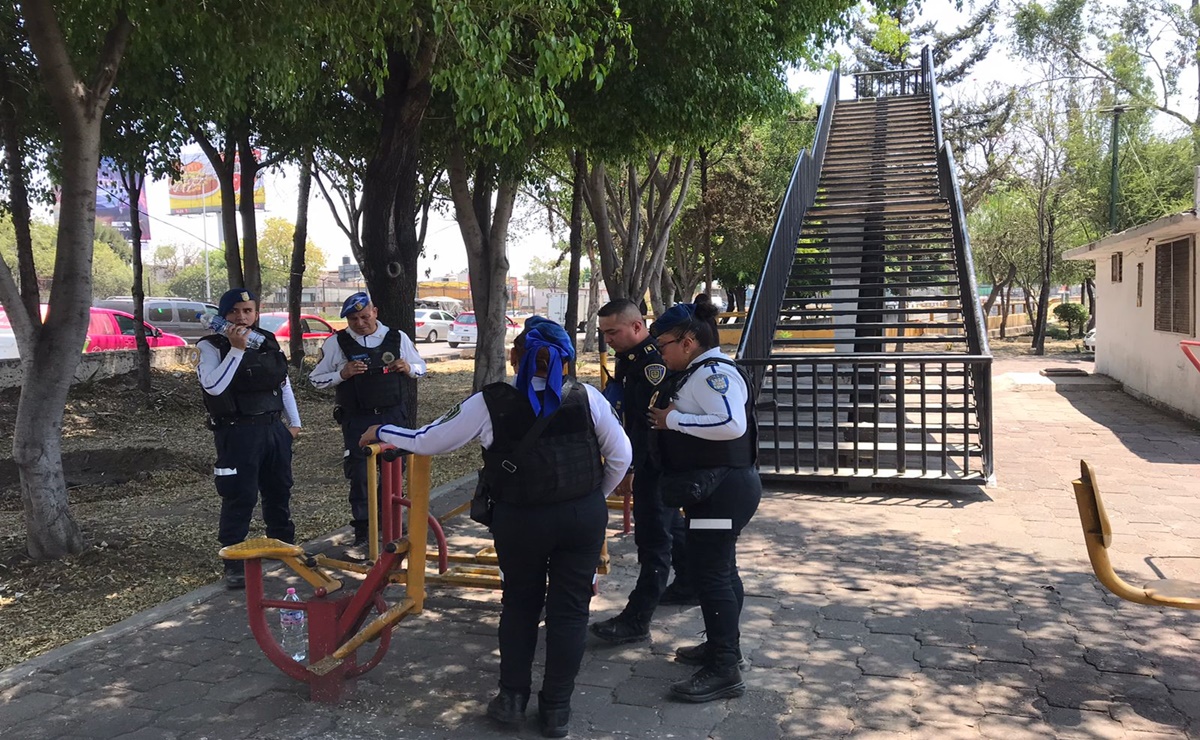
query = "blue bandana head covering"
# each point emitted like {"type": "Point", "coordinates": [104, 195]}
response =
{"type": "Point", "coordinates": [542, 333]}
{"type": "Point", "coordinates": [680, 313]}
{"type": "Point", "coordinates": [232, 297]}
{"type": "Point", "coordinates": [356, 302]}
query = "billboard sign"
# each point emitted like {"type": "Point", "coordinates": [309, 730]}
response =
{"type": "Point", "coordinates": [112, 205]}
{"type": "Point", "coordinates": [198, 191]}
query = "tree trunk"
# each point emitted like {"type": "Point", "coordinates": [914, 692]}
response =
{"type": "Point", "coordinates": [51, 354]}
{"type": "Point", "coordinates": [296, 275]}
{"type": "Point", "coordinates": [485, 236]}
{"type": "Point", "coordinates": [133, 181]}
{"type": "Point", "coordinates": [18, 194]}
{"type": "Point", "coordinates": [706, 221]}
{"type": "Point", "coordinates": [1089, 289]}
{"type": "Point", "coordinates": [1005, 305]}
{"type": "Point", "coordinates": [575, 240]}
{"type": "Point", "coordinates": [591, 332]}
{"type": "Point", "coordinates": [390, 199]}
{"type": "Point", "coordinates": [248, 164]}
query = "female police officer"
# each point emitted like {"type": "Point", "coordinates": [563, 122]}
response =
{"type": "Point", "coordinates": [707, 421]}
{"type": "Point", "coordinates": [549, 512]}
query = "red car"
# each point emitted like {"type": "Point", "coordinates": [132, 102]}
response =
{"type": "Point", "coordinates": [314, 327]}
{"type": "Point", "coordinates": [109, 330]}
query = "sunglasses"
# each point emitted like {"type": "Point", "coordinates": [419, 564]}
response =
{"type": "Point", "coordinates": [662, 344]}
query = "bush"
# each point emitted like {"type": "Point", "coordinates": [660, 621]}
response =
{"type": "Point", "coordinates": [1072, 314]}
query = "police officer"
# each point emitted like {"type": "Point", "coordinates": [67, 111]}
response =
{"type": "Point", "coordinates": [246, 392]}
{"type": "Point", "coordinates": [549, 513]}
{"type": "Point", "coordinates": [365, 362]}
{"type": "Point", "coordinates": [658, 529]}
{"type": "Point", "coordinates": [707, 421]}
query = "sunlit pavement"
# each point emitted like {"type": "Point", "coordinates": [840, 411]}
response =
{"type": "Point", "coordinates": [896, 614]}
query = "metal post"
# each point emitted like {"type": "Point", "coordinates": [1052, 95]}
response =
{"type": "Point", "coordinates": [1117, 110]}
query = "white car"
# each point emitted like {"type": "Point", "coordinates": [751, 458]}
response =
{"type": "Point", "coordinates": [432, 325]}
{"type": "Point", "coordinates": [1089, 341]}
{"type": "Point", "coordinates": [463, 331]}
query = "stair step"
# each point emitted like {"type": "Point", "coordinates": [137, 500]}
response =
{"type": "Point", "coordinates": [925, 339]}
{"type": "Point", "coordinates": [863, 446]}
{"type": "Point", "coordinates": [824, 325]}
{"type": "Point", "coordinates": [855, 299]}
{"type": "Point", "coordinates": [855, 312]}
{"type": "Point", "coordinates": [769, 470]}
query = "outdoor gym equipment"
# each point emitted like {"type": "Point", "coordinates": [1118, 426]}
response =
{"type": "Point", "coordinates": [1097, 534]}
{"type": "Point", "coordinates": [338, 625]}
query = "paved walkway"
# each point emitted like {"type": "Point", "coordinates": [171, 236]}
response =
{"type": "Point", "coordinates": [885, 616]}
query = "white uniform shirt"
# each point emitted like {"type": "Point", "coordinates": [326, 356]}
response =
{"type": "Point", "coordinates": [470, 420]}
{"type": "Point", "coordinates": [328, 371]}
{"type": "Point", "coordinates": [712, 402]}
{"type": "Point", "coordinates": [216, 374]}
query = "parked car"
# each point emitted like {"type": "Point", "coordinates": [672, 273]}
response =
{"type": "Point", "coordinates": [177, 315]}
{"type": "Point", "coordinates": [463, 330]}
{"type": "Point", "coordinates": [1089, 340]}
{"type": "Point", "coordinates": [432, 325]}
{"type": "Point", "coordinates": [276, 322]}
{"type": "Point", "coordinates": [110, 330]}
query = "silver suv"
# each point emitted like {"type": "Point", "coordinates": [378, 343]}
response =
{"type": "Point", "coordinates": [175, 315]}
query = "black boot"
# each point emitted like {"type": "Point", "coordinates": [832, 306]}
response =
{"type": "Point", "coordinates": [621, 629]}
{"type": "Point", "coordinates": [508, 706]}
{"type": "Point", "coordinates": [708, 684]}
{"type": "Point", "coordinates": [235, 575]}
{"type": "Point", "coordinates": [553, 719]}
{"type": "Point", "coordinates": [698, 655]}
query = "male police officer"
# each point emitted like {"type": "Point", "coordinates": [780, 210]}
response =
{"type": "Point", "coordinates": [639, 373]}
{"type": "Point", "coordinates": [245, 392]}
{"type": "Point", "coordinates": [365, 361]}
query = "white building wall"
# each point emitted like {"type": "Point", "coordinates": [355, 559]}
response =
{"type": "Point", "coordinates": [1128, 349]}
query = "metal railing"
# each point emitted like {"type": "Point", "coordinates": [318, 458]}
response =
{"type": "Point", "coordinates": [891, 82]}
{"type": "Point", "coordinates": [879, 415]}
{"type": "Point", "coordinates": [801, 193]}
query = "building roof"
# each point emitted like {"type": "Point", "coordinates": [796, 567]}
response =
{"type": "Point", "coordinates": [1160, 229]}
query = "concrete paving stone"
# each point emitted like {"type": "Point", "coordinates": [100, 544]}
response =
{"type": "Point", "coordinates": [897, 666]}
{"type": "Point", "coordinates": [642, 692]}
{"type": "Point", "coordinates": [266, 708]}
{"type": "Point", "coordinates": [1080, 691]}
{"type": "Point", "coordinates": [171, 694]}
{"type": "Point", "coordinates": [841, 630]}
{"type": "Point", "coordinates": [249, 685]}
{"type": "Point", "coordinates": [845, 612]}
{"type": "Point", "coordinates": [213, 671]}
{"type": "Point", "coordinates": [766, 679]}
{"type": "Point", "coordinates": [782, 654]}
{"type": "Point", "coordinates": [32, 704]}
{"type": "Point", "coordinates": [87, 678]}
{"type": "Point", "coordinates": [1187, 702]}
{"type": "Point", "coordinates": [993, 616]}
{"type": "Point", "coordinates": [191, 715]}
{"type": "Point", "coordinates": [295, 726]}
{"type": "Point", "coordinates": [604, 673]}
{"type": "Point", "coordinates": [1132, 686]}
{"type": "Point", "coordinates": [684, 716]}
{"type": "Point", "coordinates": [149, 733]}
{"type": "Point", "coordinates": [950, 658]}
{"type": "Point", "coordinates": [819, 722]}
{"type": "Point", "coordinates": [1179, 676]}
{"type": "Point", "coordinates": [1075, 724]}
{"type": "Point", "coordinates": [622, 718]}
{"type": "Point", "coordinates": [1147, 715]}
{"type": "Point", "coordinates": [109, 723]}
{"type": "Point", "coordinates": [1009, 727]}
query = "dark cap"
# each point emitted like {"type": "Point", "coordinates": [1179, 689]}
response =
{"type": "Point", "coordinates": [231, 297]}
{"type": "Point", "coordinates": [355, 303]}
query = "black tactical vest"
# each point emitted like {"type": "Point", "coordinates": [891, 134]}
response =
{"type": "Point", "coordinates": [677, 451]}
{"type": "Point", "coordinates": [563, 464]}
{"type": "Point", "coordinates": [257, 385]}
{"type": "Point", "coordinates": [374, 389]}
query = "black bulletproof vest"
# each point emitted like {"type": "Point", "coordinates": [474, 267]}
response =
{"type": "Point", "coordinates": [678, 451]}
{"type": "Point", "coordinates": [376, 388]}
{"type": "Point", "coordinates": [257, 383]}
{"type": "Point", "coordinates": [563, 464]}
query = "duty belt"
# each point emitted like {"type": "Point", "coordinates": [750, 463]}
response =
{"type": "Point", "coordinates": [241, 421]}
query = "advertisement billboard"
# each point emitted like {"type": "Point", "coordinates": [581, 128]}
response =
{"type": "Point", "coordinates": [112, 206]}
{"type": "Point", "coordinates": [198, 191]}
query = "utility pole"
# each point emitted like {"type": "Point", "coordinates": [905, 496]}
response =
{"type": "Point", "coordinates": [1114, 186]}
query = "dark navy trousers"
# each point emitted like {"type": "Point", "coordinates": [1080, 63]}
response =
{"type": "Point", "coordinates": [713, 528]}
{"type": "Point", "coordinates": [548, 556]}
{"type": "Point", "coordinates": [659, 535]}
{"type": "Point", "coordinates": [254, 459]}
{"type": "Point", "coordinates": [354, 462]}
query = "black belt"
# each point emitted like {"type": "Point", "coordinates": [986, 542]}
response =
{"type": "Point", "coordinates": [377, 411]}
{"type": "Point", "coordinates": [248, 421]}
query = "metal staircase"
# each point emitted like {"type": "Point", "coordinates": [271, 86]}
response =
{"type": "Point", "coordinates": [865, 335]}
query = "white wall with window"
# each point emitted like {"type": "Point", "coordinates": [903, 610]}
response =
{"type": "Point", "coordinates": [1146, 304]}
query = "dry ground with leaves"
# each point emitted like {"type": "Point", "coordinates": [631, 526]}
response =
{"type": "Point", "coordinates": [139, 470]}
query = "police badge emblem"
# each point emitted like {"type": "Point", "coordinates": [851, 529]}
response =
{"type": "Point", "coordinates": [718, 383]}
{"type": "Point", "coordinates": [388, 358]}
{"type": "Point", "coordinates": [655, 373]}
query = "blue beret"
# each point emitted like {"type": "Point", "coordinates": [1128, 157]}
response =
{"type": "Point", "coordinates": [356, 302]}
{"type": "Point", "coordinates": [231, 297]}
{"type": "Point", "coordinates": [680, 313]}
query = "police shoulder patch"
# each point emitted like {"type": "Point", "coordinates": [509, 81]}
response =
{"type": "Point", "coordinates": [655, 373]}
{"type": "Point", "coordinates": [718, 382]}
{"type": "Point", "coordinates": [451, 413]}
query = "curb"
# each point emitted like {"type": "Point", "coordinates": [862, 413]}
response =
{"type": "Point", "coordinates": [155, 614]}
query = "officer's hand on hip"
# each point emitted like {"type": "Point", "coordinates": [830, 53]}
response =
{"type": "Point", "coordinates": [399, 366]}
{"type": "Point", "coordinates": [369, 437]}
{"type": "Point", "coordinates": [658, 417]}
{"type": "Point", "coordinates": [352, 368]}
{"type": "Point", "coordinates": [295, 431]}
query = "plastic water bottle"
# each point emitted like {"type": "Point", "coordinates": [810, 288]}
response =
{"type": "Point", "coordinates": [292, 622]}
{"type": "Point", "coordinates": [254, 339]}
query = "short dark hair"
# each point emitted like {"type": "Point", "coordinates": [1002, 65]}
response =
{"type": "Point", "coordinates": [619, 306]}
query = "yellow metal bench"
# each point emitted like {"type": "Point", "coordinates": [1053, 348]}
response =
{"type": "Point", "coordinates": [1097, 534]}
